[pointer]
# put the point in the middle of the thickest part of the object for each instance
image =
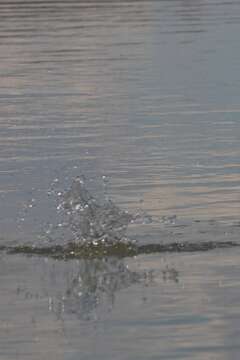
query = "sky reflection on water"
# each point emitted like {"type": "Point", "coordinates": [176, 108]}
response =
{"type": "Point", "coordinates": [142, 92]}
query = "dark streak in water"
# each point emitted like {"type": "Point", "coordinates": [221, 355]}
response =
{"type": "Point", "coordinates": [120, 249]}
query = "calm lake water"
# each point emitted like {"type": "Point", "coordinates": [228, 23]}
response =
{"type": "Point", "coordinates": [142, 99]}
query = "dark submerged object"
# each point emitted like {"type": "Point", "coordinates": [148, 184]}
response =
{"type": "Point", "coordinates": [119, 249]}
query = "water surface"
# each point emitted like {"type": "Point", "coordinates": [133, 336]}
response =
{"type": "Point", "coordinates": [142, 98]}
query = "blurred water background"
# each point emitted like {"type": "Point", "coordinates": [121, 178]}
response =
{"type": "Point", "coordinates": [142, 99]}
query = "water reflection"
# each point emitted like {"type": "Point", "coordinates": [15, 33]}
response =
{"type": "Point", "coordinates": [87, 289]}
{"type": "Point", "coordinates": [92, 289]}
{"type": "Point", "coordinates": [96, 309]}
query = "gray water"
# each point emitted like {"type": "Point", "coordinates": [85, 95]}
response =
{"type": "Point", "coordinates": [142, 99]}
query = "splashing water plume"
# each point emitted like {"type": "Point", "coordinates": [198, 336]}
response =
{"type": "Point", "coordinates": [89, 219]}
{"type": "Point", "coordinates": [90, 228]}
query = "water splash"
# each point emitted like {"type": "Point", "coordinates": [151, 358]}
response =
{"type": "Point", "coordinates": [88, 219]}
{"type": "Point", "coordinates": [86, 226]}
